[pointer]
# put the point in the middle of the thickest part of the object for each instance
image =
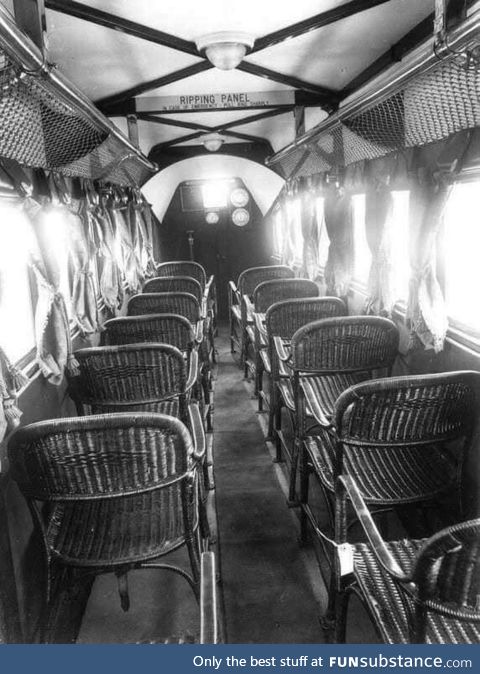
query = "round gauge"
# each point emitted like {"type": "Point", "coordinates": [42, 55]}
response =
{"type": "Point", "coordinates": [212, 218]}
{"type": "Point", "coordinates": [239, 197]}
{"type": "Point", "coordinates": [240, 217]}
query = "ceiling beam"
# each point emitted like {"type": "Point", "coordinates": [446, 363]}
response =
{"type": "Point", "coordinates": [105, 103]}
{"type": "Point", "coordinates": [101, 18]}
{"type": "Point", "coordinates": [30, 17]}
{"type": "Point", "coordinates": [329, 97]}
{"type": "Point", "coordinates": [315, 22]}
{"type": "Point", "coordinates": [393, 55]}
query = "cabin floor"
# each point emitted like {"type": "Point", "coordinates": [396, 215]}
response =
{"type": "Point", "coordinates": [271, 589]}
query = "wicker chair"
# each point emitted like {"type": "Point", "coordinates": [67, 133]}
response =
{"type": "Point", "coordinates": [264, 295]}
{"type": "Point", "coordinates": [166, 328]}
{"type": "Point", "coordinates": [327, 357]}
{"type": "Point", "coordinates": [138, 378]}
{"type": "Point", "coordinates": [181, 304]}
{"type": "Point", "coordinates": [282, 320]}
{"type": "Point", "coordinates": [109, 493]}
{"type": "Point", "coordinates": [175, 284]}
{"type": "Point", "coordinates": [246, 284]}
{"type": "Point", "coordinates": [196, 271]}
{"type": "Point", "coordinates": [420, 591]}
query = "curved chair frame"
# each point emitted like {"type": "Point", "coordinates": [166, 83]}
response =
{"type": "Point", "coordinates": [120, 469]}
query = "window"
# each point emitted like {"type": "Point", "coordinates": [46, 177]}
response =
{"type": "Point", "coordinates": [362, 254]}
{"type": "Point", "coordinates": [323, 240]}
{"type": "Point", "coordinates": [399, 243]}
{"type": "Point", "coordinates": [462, 245]}
{"type": "Point", "coordinates": [17, 334]}
{"type": "Point", "coordinates": [294, 210]}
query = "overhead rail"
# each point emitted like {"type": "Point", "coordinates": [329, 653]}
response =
{"type": "Point", "coordinates": [377, 96]}
{"type": "Point", "coordinates": [34, 92]}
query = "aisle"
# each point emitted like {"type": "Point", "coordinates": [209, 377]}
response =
{"type": "Point", "coordinates": [271, 590]}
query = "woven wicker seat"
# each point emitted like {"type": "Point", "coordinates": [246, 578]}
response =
{"type": "Point", "coordinates": [328, 356]}
{"type": "Point", "coordinates": [420, 591]}
{"type": "Point", "coordinates": [209, 291]}
{"type": "Point", "coordinates": [264, 295]}
{"type": "Point", "coordinates": [167, 328]}
{"type": "Point", "coordinates": [138, 377]}
{"type": "Point", "coordinates": [282, 320]}
{"type": "Point", "coordinates": [121, 491]}
{"type": "Point", "coordinates": [246, 284]}
{"type": "Point", "coordinates": [175, 284]}
{"type": "Point", "coordinates": [182, 304]}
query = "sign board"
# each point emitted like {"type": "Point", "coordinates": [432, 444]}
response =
{"type": "Point", "coordinates": [243, 99]}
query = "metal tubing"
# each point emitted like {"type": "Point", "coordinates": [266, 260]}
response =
{"type": "Point", "coordinates": [419, 61]}
{"type": "Point", "coordinates": [22, 50]}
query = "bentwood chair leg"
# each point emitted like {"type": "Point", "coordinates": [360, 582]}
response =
{"type": "Point", "coordinates": [278, 428]}
{"type": "Point", "coordinates": [292, 491]}
{"type": "Point", "coordinates": [341, 599]}
{"type": "Point", "coordinates": [259, 382]}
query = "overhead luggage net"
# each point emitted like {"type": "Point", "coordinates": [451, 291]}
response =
{"type": "Point", "coordinates": [39, 129]}
{"type": "Point", "coordinates": [430, 107]}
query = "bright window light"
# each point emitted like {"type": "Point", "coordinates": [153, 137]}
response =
{"type": "Point", "coordinates": [294, 210]}
{"type": "Point", "coordinates": [55, 221]}
{"type": "Point", "coordinates": [399, 243]}
{"type": "Point", "coordinates": [323, 240]}
{"type": "Point", "coordinates": [462, 243]}
{"type": "Point", "coordinates": [362, 254]}
{"type": "Point", "coordinates": [278, 234]}
{"type": "Point", "coordinates": [215, 194]}
{"type": "Point", "coordinates": [17, 334]}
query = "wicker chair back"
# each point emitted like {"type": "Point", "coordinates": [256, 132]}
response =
{"type": "Point", "coordinates": [284, 318]}
{"type": "Point", "coordinates": [128, 377]}
{"type": "Point", "coordinates": [167, 328]}
{"type": "Point", "coordinates": [174, 284]}
{"type": "Point", "coordinates": [269, 292]}
{"type": "Point", "coordinates": [183, 304]}
{"type": "Point", "coordinates": [183, 268]}
{"type": "Point", "coordinates": [250, 278]}
{"type": "Point", "coordinates": [349, 344]}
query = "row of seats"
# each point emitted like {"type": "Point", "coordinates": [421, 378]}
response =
{"type": "Point", "coordinates": [374, 443]}
{"type": "Point", "coordinates": [125, 482]}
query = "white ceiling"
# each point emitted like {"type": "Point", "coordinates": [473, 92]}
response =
{"type": "Point", "coordinates": [102, 62]}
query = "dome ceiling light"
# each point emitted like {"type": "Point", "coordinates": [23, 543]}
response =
{"type": "Point", "coordinates": [226, 49]}
{"type": "Point", "coordinates": [212, 141]}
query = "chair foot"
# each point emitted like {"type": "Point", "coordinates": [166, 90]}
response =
{"type": "Point", "coordinates": [292, 503]}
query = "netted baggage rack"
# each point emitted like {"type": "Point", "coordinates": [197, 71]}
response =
{"type": "Point", "coordinates": [46, 123]}
{"type": "Point", "coordinates": [439, 100]}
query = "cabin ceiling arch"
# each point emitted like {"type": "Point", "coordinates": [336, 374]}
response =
{"type": "Point", "coordinates": [141, 59]}
{"type": "Point", "coordinates": [263, 184]}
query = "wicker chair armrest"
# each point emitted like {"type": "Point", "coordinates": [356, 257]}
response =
{"type": "Point", "coordinates": [249, 308]}
{"type": "Point", "coordinates": [233, 293]}
{"type": "Point", "coordinates": [209, 286]}
{"type": "Point", "coordinates": [192, 370]}
{"type": "Point", "coordinates": [346, 486]}
{"type": "Point", "coordinates": [199, 332]}
{"type": "Point", "coordinates": [203, 307]}
{"type": "Point", "coordinates": [282, 352]}
{"type": "Point", "coordinates": [197, 431]}
{"type": "Point", "coordinates": [313, 405]}
{"type": "Point", "coordinates": [260, 331]}
{"type": "Point", "coordinates": [208, 599]}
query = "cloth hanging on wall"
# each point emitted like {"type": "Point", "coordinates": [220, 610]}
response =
{"type": "Point", "coordinates": [119, 212]}
{"type": "Point", "coordinates": [310, 232]}
{"type": "Point", "coordinates": [11, 380]}
{"type": "Point", "coordinates": [52, 328]}
{"type": "Point", "coordinates": [110, 275]}
{"type": "Point", "coordinates": [378, 229]}
{"type": "Point", "coordinates": [339, 223]}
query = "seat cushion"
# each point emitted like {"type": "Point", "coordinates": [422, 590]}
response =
{"type": "Point", "coordinates": [384, 599]}
{"type": "Point", "coordinates": [386, 475]}
{"type": "Point", "coordinates": [114, 531]}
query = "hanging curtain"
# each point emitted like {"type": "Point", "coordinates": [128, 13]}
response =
{"type": "Point", "coordinates": [426, 313]}
{"type": "Point", "coordinates": [310, 231]}
{"type": "Point", "coordinates": [52, 329]}
{"type": "Point", "coordinates": [110, 275]}
{"type": "Point", "coordinates": [143, 215]}
{"type": "Point", "coordinates": [339, 223]}
{"type": "Point", "coordinates": [378, 228]}
{"type": "Point", "coordinates": [119, 212]}
{"type": "Point", "coordinates": [11, 380]}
